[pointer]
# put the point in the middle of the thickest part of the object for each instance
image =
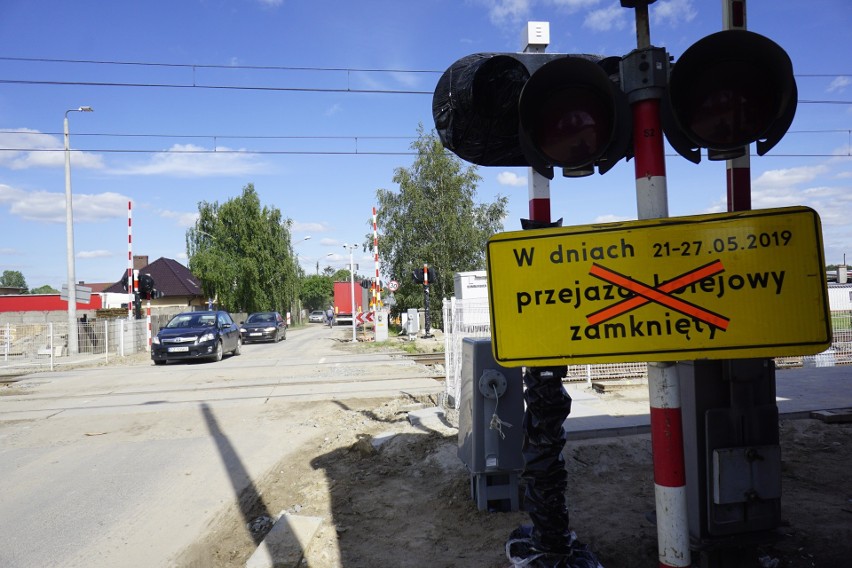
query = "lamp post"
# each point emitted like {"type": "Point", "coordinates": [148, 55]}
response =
{"type": "Point", "coordinates": [69, 235]}
{"type": "Point", "coordinates": [352, 287]}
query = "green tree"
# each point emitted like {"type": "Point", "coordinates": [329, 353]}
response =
{"type": "Point", "coordinates": [243, 254]}
{"type": "Point", "coordinates": [46, 289]}
{"type": "Point", "coordinates": [433, 219]}
{"type": "Point", "coordinates": [317, 291]}
{"type": "Point", "coordinates": [13, 279]}
{"type": "Point", "coordinates": [342, 275]}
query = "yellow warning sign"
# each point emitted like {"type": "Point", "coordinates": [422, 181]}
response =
{"type": "Point", "coordinates": [730, 285]}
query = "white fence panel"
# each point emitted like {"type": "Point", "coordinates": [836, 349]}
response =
{"type": "Point", "coordinates": [470, 318]}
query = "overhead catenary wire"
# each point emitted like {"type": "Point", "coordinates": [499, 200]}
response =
{"type": "Point", "coordinates": [355, 151]}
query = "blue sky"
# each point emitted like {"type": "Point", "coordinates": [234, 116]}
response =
{"type": "Point", "coordinates": [320, 154]}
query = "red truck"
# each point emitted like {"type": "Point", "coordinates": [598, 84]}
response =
{"type": "Point", "coordinates": [343, 301]}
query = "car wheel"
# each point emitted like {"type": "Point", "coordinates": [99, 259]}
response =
{"type": "Point", "coordinates": [277, 337]}
{"type": "Point", "coordinates": [236, 350]}
{"type": "Point", "coordinates": [283, 337]}
{"type": "Point", "coordinates": [219, 351]}
{"type": "Point", "coordinates": [159, 362]}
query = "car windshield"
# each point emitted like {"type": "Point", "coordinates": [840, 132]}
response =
{"type": "Point", "coordinates": [261, 318]}
{"type": "Point", "coordinates": [192, 320]}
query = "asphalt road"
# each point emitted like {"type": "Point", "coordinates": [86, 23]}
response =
{"type": "Point", "coordinates": [124, 466]}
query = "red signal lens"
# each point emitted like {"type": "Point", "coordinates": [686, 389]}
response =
{"type": "Point", "coordinates": [726, 91]}
{"type": "Point", "coordinates": [572, 126]}
{"type": "Point", "coordinates": [729, 103]}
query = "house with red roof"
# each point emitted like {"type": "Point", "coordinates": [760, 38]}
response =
{"type": "Point", "coordinates": [177, 286]}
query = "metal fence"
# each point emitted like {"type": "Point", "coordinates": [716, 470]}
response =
{"type": "Point", "coordinates": [26, 348]}
{"type": "Point", "coordinates": [470, 318]}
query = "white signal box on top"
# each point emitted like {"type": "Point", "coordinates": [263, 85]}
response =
{"type": "Point", "coordinates": [536, 34]}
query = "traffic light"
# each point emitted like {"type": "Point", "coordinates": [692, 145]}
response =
{"type": "Point", "coordinates": [727, 90]}
{"type": "Point", "coordinates": [534, 109]}
{"type": "Point", "coordinates": [542, 110]}
{"type": "Point", "coordinates": [418, 276]}
{"type": "Point", "coordinates": [146, 286]}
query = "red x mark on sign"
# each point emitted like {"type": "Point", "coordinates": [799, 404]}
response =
{"type": "Point", "coordinates": [659, 295]}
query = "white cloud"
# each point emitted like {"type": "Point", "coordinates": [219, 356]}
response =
{"type": "Point", "coordinates": [94, 254]}
{"type": "Point", "coordinates": [500, 11]}
{"type": "Point", "coordinates": [189, 160]}
{"type": "Point", "coordinates": [610, 218]}
{"type": "Point", "coordinates": [333, 109]}
{"type": "Point", "coordinates": [183, 219]}
{"type": "Point", "coordinates": [271, 3]}
{"type": "Point", "coordinates": [49, 207]}
{"type": "Point", "coordinates": [512, 179]}
{"type": "Point", "coordinates": [512, 11]}
{"type": "Point", "coordinates": [309, 227]}
{"type": "Point", "coordinates": [41, 151]}
{"type": "Point", "coordinates": [787, 177]}
{"type": "Point", "coordinates": [574, 5]}
{"type": "Point", "coordinates": [673, 12]}
{"type": "Point", "coordinates": [839, 84]}
{"type": "Point", "coordinates": [407, 80]}
{"type": "Point", "coordinates": [608, 18]}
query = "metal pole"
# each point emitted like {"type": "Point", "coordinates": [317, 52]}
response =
{"type": "Point", "coordinates": [550, 541]}
{"type": "Point", "coordinates": [130, 297]}
{"type": "Point", "coordinates": [644, 92]}
{"type": "Point", "coordinates": [352, 289]}
{"type": "Point", "coordinates": [69, 239]}
{"type": "Point", "coordinates": [69, 236]}
{"type": "Point", "coordinates": [52, 343]}
{"type": "Point", "coordinates": [148, 318]}
{"type": "Point", "coordinates": [738, 169]}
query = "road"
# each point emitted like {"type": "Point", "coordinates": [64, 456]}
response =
{"type": "Point", "coordinates": [127, 465]}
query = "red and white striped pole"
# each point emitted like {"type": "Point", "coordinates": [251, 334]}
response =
{"type": "Point", "coordinates": [129, 260]}
{"type": "Point", "coordinates": [377, 292]}
{"type": "Point", "coordinates": [663, 383]}
{"type": "Point", "coordinates": [148, 321]}
{"type": "Point", "coordinates": [538, 38]}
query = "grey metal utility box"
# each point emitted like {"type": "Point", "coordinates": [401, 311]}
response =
{"type": "Point", "coordinates": [491, 436]}
{"type": "Point", "coordinates": [732, 455]}
{"type": "Point", "coordinates": [412, 322]}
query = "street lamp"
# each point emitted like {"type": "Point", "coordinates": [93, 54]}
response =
{"type": "Point", "coordinates": [69, 236]}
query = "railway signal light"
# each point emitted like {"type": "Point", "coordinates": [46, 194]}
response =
{"type": "Point", "coordinates": [425, 275]}
{"type": "Point", "coordinates": [534, 109]}
{"type": "Point", "coordinates": [146, 286]}
{"type": "Point", "coordinates": [727, 90]}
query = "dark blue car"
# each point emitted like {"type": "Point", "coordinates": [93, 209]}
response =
{"type": "Point", "coordinates": [264, 326]}
{"type": "Point", "coordinates": [196, 335]}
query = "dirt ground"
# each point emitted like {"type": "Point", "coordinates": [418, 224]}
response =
{"type": "Point", "coordinates": [408, 504]}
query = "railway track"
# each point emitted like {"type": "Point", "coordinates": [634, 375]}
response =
{"type": "Point", "coordinates": [436, 358]}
